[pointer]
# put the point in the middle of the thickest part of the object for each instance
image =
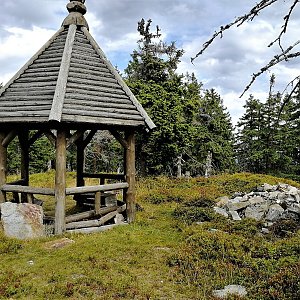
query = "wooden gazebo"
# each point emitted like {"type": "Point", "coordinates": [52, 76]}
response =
{"type": "Point", "coordinates": [68, 91]}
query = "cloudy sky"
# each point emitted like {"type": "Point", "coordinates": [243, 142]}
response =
{"type": "Point", "coordinates": [226, 66]}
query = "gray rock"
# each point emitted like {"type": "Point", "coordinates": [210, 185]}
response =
{"type": "Point", "coordinates": [265, 230]}
{"type": "Point", "coordinates": [235, 216]}
{"type": "Point", "coordinates": [221, 211]}
{"type": "Point", "coordinates": [254, 212]}
{"type": "Point", "coordinates": [282, 186]}
{"type": "Point", "coordinates": [274, 195]}
{"type": "Point", "coordinates": [274, 213]}
{"type": "Point", "coordinates": [295, 208]}
{"type": "Point", "coordinates": [297, 198]}
{"type": "Point", "coordinates": [269, 188]}
{"type": "Point", "coordinates": [22, 221]}
{"type": "Point", "coordinates": [237, 205]}
{"type": "Point", "coordinates": [222, 201]}
{"type": "Point", "coordinates": [230, 290]}
{"type": "Point", "coordinates": [292, 190]}
{"type": "Point", "coordinates": [256, 200]}
{"type": "Point", "coordinates": [119, 219]}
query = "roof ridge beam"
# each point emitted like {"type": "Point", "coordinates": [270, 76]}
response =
{"type": "Point", "coordinates": [60, 90]}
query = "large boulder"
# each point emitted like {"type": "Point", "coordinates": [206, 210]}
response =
{"type": "Point", "coordinates": [22, 221]}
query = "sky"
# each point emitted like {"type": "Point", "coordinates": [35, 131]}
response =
{"type": "Point", "coordinates": [226, 66]}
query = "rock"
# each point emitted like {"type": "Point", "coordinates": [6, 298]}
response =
{"type": "Point", "coordinates": [292, 190]}
{"type": "Point", "coordinates": [274, 213]}
{"type": "Point", "coordinates": [230, 290]}
{"type": "Point", "coordinates": [297, 198]}
{"type": "Point", "coordinates": [295, 208]}
{"type": "Point", "coordinates": [222, 201]}
{"type": "Point", "coordinates": [235, 216]}
{"type": "Point", "coordinates": [119, 219]}
{"type": "Point", "coordinates": [256, 200]}
{"type": "Point", "coordinates": [268, 202]}
{"type": "Point", "coordinates": [265, 230]}
{"type": "Point", "coordinates": [269, 188]}
{"type": "Point", "coordinates": [274, 195]}
{"type": "Point", "coordinates": [282, 186]}
{"type": "Point", "coordinates": [237, 205]}
{"type": "Point", "coordinates": [58, 244]}
{"type": "Point", "coordinates": [254, 212]}
{"type": "Point", "coordinates": [221, 211]}
{"type": "Point", "coordinates": [22, 221]}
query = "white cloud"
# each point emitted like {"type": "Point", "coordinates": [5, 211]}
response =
{"type": "Point", "coordinates": [226, 66]}
{"type": "Point", "coordinates": [17, 46]}
{"type": "Point", "coordinates": [23, 42]}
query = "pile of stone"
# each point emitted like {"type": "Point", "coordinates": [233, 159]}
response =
{"type": "Point", "coordinates": [269, 203]}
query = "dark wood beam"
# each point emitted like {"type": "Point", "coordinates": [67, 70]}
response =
{"type": "Point", "coordinates": [8, 138]}
{"type": "Point", "coordinates": [119, 138]}
{"type": "Point", "coordinates": [75, 137]}
{"type": "Point", "coordinates": [3, 162]}
{"type": "Point", "coordinates": [35, 137]}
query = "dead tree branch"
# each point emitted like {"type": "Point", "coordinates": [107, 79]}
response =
{"type": "Point", "coordinates": [284, 55]}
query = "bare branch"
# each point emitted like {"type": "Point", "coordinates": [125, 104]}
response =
{"type": "Point", "coordinates": [284, 56]}
{"type": "Point", "coordinates": [238, 21]}
{"type": "Point", "coordinates": [285, 25]}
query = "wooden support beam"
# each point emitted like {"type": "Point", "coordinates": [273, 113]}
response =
{"type": "Point", "coordinates": [119, 138]}
{"type": "Point", "coordinates": [24, 143]}
{"type": "Point", "coordinates": [75, 137]}
{"type": "Point", "coordinates": [8, 138]}
{"type": "Point", "coordinates": [80, 162]}
{"type": "Point", "coordinates": [97, 202]}
{"type": "Point", "coordinates": [105, 176]}
{"type": "Point", "coordinates": [130, 176]}
{"type": "Point", "coordinates": [60, 182]}
{"type": "Point", "coordinates": [92, 223]}
{"type": "Point", "coordinates": [92, 213]}
{"type": "Point", "coordinates": [3, 162]}
{"type": "Point", "coordinates": [27, 189]}
{"type": "Point", "coordinates": [96, 188]}
{"type": "Point", "coordinates": [89, 137]}
{"type": "Point", "coordinates": [36, 136]}
{"type": "Point", "coordinates": [51, 137]}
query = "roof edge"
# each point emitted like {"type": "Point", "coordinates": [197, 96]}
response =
{"type": "Point", "coordinates": [31, 60]}
{"type": "Point", "coordinates": [136, 103]}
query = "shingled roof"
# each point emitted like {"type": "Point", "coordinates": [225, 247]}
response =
{"type": "Point", "coordinates": [69, 80]}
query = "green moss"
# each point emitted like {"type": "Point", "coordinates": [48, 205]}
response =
{"type": "Point", "coordinates": [165, 254]}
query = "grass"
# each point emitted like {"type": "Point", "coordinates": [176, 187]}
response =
{"type": "Point", "coordinates": [165, 254]}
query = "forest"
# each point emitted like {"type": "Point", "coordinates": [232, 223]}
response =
{"type": "Point", "coordinates": [194, 134]}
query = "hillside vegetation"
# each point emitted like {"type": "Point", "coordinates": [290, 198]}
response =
{"type": "Point", "coordinates": [177, 249]}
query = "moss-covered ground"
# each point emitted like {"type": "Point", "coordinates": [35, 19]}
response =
{"type": "Point", "coordinates": [177, 249]}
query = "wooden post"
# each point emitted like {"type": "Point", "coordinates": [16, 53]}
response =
{"type": "Point", "coordinates": [23, 138]}
{"type": "Point", "coordinates": [130, 176]}
{"type": "Point", "coordinates": [60, 182]}
{"type": "Point", "coordinates": [3, 161]}
{"type": "Point", "coordinates": [80, 162]}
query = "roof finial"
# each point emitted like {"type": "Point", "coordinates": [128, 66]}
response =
{"type": "Point", "coordinates": [76, 9]}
